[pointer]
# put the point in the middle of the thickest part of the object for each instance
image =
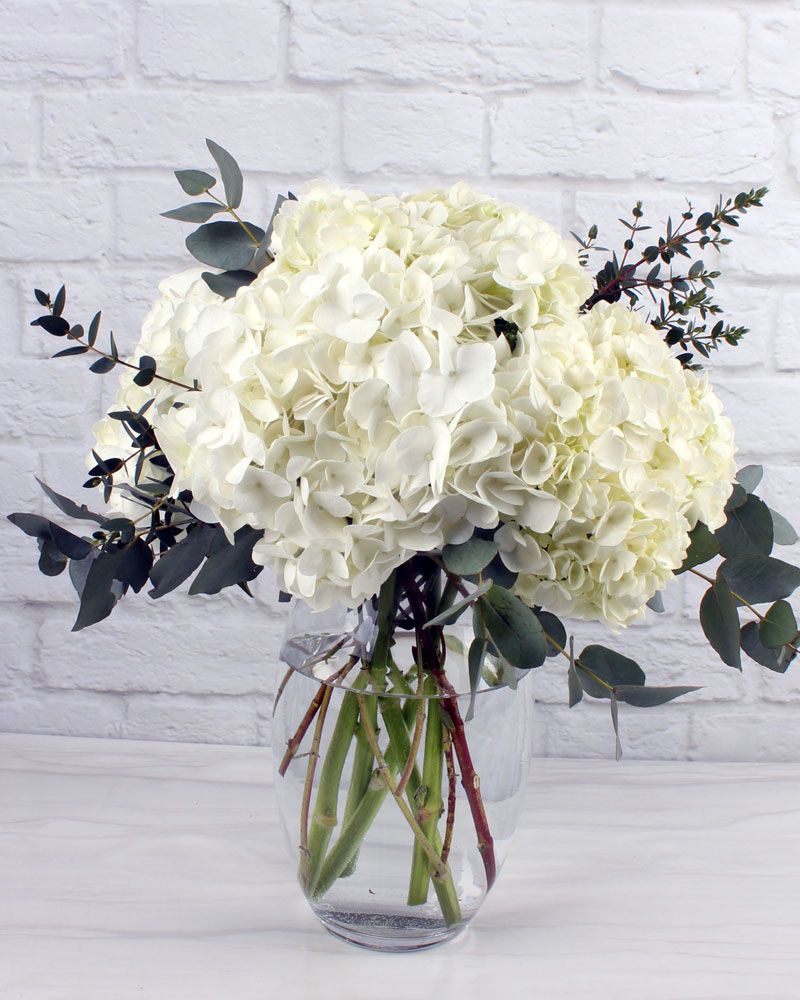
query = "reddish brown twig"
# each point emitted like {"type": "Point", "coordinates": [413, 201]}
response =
{"type": "Point", "coordinates": [451, 795]}
{"type": "Point", "coordinates": [294, 742]}
{"type": "Point", "coordinates": [313, 757]}
{"type": "Point", "coordinates": [469, 777]}
{"type": "Point", "coordinates": [430, 643]}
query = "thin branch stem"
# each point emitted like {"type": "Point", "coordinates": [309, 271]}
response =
{"type": "Point", "coordinates": [238, 218]}
{"type": "Point", "coordinates": [294, 742]}
{"type": "Point", "coordinates": [313, 757]}
{"type": "Point", "coordinates": [451, 793]}
{"type": "Point", "coordinates": [127, 364]}
{"type": "Point", "coordinates": [440, 868]}
{"type": "Point", "coordinates": [417, 737]}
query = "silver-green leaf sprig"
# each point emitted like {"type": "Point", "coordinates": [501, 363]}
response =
{"type": "Point", "coordinates": [240, 249]}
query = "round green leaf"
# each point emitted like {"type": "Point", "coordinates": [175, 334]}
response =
{"type": "Point", "coordinates": [195, 182]}
{"type": "Point", "coordinates": [750, 476]}
{"type": "Point", "coordinates": [469, 557]}
{"type": "Point", "coordinates": [783, 531]}
{"type": "Point", "coordinates": [513, 628]}
{"type": "Point", "coordinates": [223, 244]}
{"type": "Point", "coordinates": [779, 626]}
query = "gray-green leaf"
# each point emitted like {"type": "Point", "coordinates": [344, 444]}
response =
{"type": "Point", "coordinates": [195, 211]}
{"type": "Point", "coordinates": [784, 533]}
{"type": "Point", "coordinates": [756, 650]}
{"type": "Point", "coordinates": [221, 244]}
{"type": "Point", "coordinates": [750, 476]}
{"type": "Point", "coordinates": [609, 666]}
{"type": "Point", "coordinates": [195, 182]}
{"type": "Point", "coordinates": [469, 557]}
{"type": "Point", "coordinates": [702, 547]}
{"type": "Point", "coordinates": [232, 179]}
{"type": "Point", "coordinates": [643, 696]}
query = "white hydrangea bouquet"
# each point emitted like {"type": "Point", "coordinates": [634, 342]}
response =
{"type": "Point", "coordinates": [443, 433]}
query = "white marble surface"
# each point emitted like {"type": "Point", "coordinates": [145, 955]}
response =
{"type": "Point", "coordinates": [152, 870]}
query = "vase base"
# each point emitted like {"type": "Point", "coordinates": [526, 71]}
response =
{"type": "Point", "coordinates": [388, 932]}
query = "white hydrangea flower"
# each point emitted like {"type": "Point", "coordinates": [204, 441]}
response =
{"type": "Point", "coordinates": [358, 406]}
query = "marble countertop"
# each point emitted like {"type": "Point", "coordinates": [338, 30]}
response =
{"type": "Point", "coordinates": [153, 870]}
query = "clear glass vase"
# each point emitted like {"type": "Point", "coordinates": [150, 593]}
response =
{"type": "Point", "coordinates": [398, 790]}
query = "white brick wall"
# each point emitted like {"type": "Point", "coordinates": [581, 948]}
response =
{"type": "Point", "coordinates": [576, 109]}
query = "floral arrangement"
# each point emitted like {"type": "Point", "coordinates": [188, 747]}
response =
{"type": "Point", "coordinates": [418, 406]}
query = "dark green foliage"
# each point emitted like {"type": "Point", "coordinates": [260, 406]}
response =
{"type": "Point", "coordinates": [554, 632]}
{"type": "Point", "coordinates": [649, 697]}
{"type": "Point", "coordinates": [779, 626]}
{"type": "Point", "coordinates": [752, 645]}
{"type": "Point", "coordinates": [748, 529]}
{"type": "Point", "coordinates": [600, 670]}
{"type": "Point", "coordinates": [683, 308]}
{"type": "Point", "coordinates": [228, 563]}
{"type": "Point", "coordinates": [702, 547]}
{"type": "Point", "coordinates": [513, 628]}
{"type": "Point", "coordinates": [178, 563]}
{"type": "Point", "coordinates": [759, 579]}
{"type": "Point", "coordinates": [228, 283]}
{"type": "Point", "coordinates": [720, 622]}
{"type": "Point", "coordinates": [196, 211]}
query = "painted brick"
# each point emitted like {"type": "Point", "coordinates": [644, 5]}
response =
{"type": "Point", "coordinates": [53, 220]}
{"type": "Point", "coordinates": [412, 41]}
{"type": "Point", "coordinates": [421, 133]}
{"type": "Point", "coordinates": [230, 41]}
{"type": "Point", "coordinates": [658, 51]}
{"type": "Point", "coordinates": [59, 40]}
{"type": "Point", "coordinates": [275, 132]}
{"type": "Point", "coordinates": [619, 139]}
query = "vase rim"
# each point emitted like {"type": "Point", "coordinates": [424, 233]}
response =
{"type": "Point", "coordinates": [346, 684]}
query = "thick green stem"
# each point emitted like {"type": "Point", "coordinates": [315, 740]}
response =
{"type": "Point", "coordinates": [363, 766]}
{"type": "Point", "coordinates": [398, 751]}
{"type": "Point", "coordinates": [428, 799]}
{"type": "Point", "coordinates": [324, 818]}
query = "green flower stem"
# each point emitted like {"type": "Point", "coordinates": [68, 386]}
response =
{"type": "Point", "coordinates": [363, 765]}
{"type": "Point", "coordinates": [324, 818]}
{"type": "Point", "coordinates": [399, 750]}
{"type": "Point", "coordinates": [428, 799]}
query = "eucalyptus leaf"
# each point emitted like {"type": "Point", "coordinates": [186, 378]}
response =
{"type": "Point", "coordinates": [779, 626]}
{"type": "Point", "coordinates": [470, 557]}
{"type": "Point", "coordinates": [69, 507]}
{"type": "Point", "coordinates": [760, 579]}
{"type": "Point", "coordinates": [656, 603]}
{"type": "Point", "coordinates": [606, 665]}
{"type": "Point", "coordinates": [179, 562]}
{"type": "Point", "coordinates": [102, 366]}
{"type": "Point", "coordinates": [615, 724]}
{"type": "Point", "coordinates": [232, 179]}
{"type": "Point", "coordinates": [223, 244]}
{"type": "Point", "coordinates": [750, 476]}
{"type": "Point", "coordinates": [99, 596]}
{"type": "Point", "coordinates": [736, 499]}
{"type": "Point", "coordinates": [228, 563]}
{"type": "Point", "coordinates": [752, 645]}
{"type": "Point", "coordinates": [783, 532]}
{"type": "Point", "coordinates": [748, 529]}
{"type": "Point", "coordinates": [195, 182]}
{"type": "Point", "coordinates": [702, 547]}
{"type": "Point", "coordinates": [554, 630]}
{"type": "Point", "coordinates": [513, 628]}
{"type": "Point", "coordinates": [456, 610]}
{"type": "Point", "coordinates": [475, 658]}
{"type": "Point", "coordinates": [574, 686]}
{"type": "Point", "coordinates": [228, 283]}
{"type": "Point", "coordinates": [720, 622]}
{"type": "Point", "coordinates": [499, 573]}
{"type": "Point", "coordinates": [644, 696]}
{"type": "Point", "coordinates": [195, 211]}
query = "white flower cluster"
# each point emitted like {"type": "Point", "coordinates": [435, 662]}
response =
{"type": "Point", "coordinates": [358, 405]}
